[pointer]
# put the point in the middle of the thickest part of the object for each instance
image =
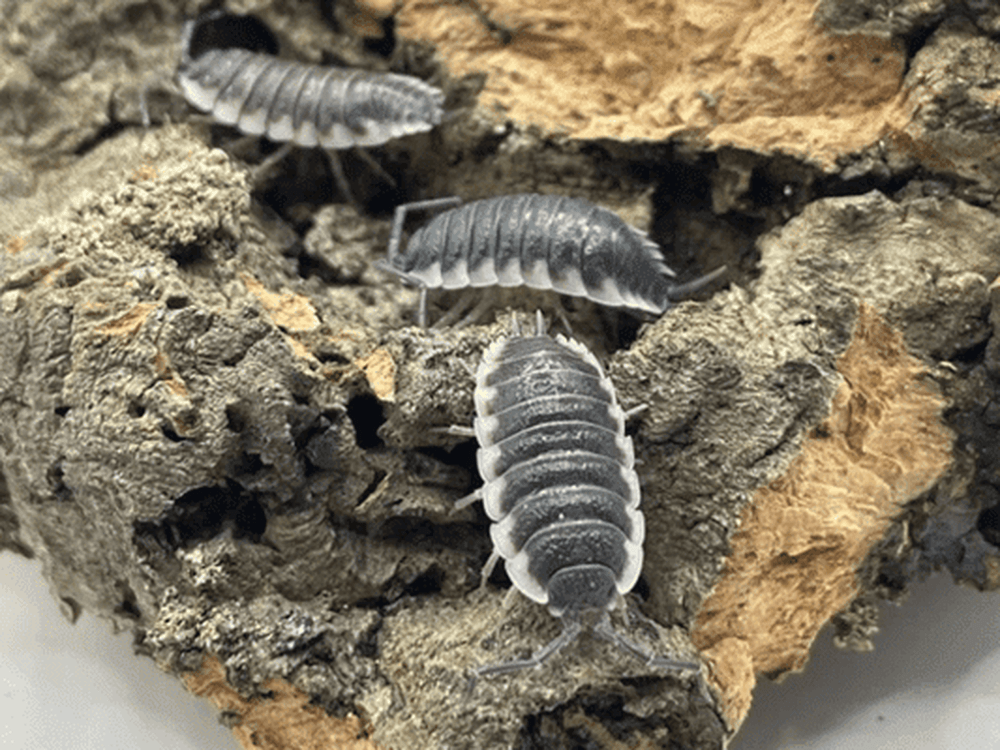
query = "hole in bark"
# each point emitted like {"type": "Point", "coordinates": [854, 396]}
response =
{"type": "Point", "coordinates": [988, 524]}
{"type": "Point", "coordinates": [247, 463]}
{"type": "Point", "coordinates": [330, 356]}
{"type": "Point", "coordinates": [187, 254]}
{"type": "Point", "coordinates": [236, 419]}
{"type": "Point", "coordinates": [135, 409]}
{"type": "Point", "coordinates": [176, 302]}
{"type": "Point", "coordinates": [368, 643]}
{"type": "Point", "coordinates": [385, 44]}
{"type": "Point", "coordinates": [218, 30]}
{"type": "Point", "coordinates": [365, 413]}
{"type": "Point", "coordinates": [170, 434]}
{"type": "Point", "coordinates": [201, 514]}
{"type": "Point", "coordinates": [62, 411]}
{"type": "Point", "coordinates": [429, 582]}
{"type": "Point", "coordinates": [56, 483]}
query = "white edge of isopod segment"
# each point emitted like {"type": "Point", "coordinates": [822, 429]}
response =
{"type": "Point", "coordinates": [633, 567]}
{"type": "Point", "coordinates": [487, 459]}
{"type": "Point", "coordinates": [430, 277]}
{"type": "Point", "coordinates": [635, 494]}
{"type": "Point", "coordinates": [280, 130]}
{"type": "Point", "coordinates": [638, 520]}
{"type": "Point", "coordinates": [492, 356]}
{"type": "Point", "coordinates": [527, 584]}
{"type": "Point", "coordinates": [305, 136]}
{"type": "Point", "coordinates": [624, 444]}
{"type": "Point", "coordinates": [456, 277]}
{"type": "Point", "coordinates": [510, 274]}
{"type": "Point", "coordinates": [337, 138]}
{"type": "Point", "coordinates": [376, 132]}
{"type": "Point", "coordinates": [485, 428]}
{"type": "Point", "coordinates": [484, 274]}
{"type": "Point", "coordinates": [227, 111]}
{"type": "Point", "coordinates": [196, 95]}
{"type": "Point", "coordinates": [537, 277]}
{"type": "Point", "coordinates": [253, 122]}
{"type": "Point", "coordinates": [483, 397]}
{"type": "Point", "coordinates": [493, 497]}
{"type": "Point", "coordinates": [501, 533]}
{"type": "Point", "coordinates": [608, 293]}
{"type": "Point", "coordinates": [571, 283]}
{"type": "Point", "coordinates": [584, 353]}
{"type": "Point", "coordinates": [653, 251]}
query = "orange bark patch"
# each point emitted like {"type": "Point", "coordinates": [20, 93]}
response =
{"type": "Point", "coordinates": [292, 312]}
{"type": "Point", "coordinates": [803, 536]}
{"type": "Point", "coordinates": [129, 323]}
{"type": "Point", "coordinates": [144, 172]}
{"type": "Point", "coordinates": [380, 371]}
{"type": "Point", "coordinates": [754, 74]}
{"type": "Point", "coordinates": [285, 721]}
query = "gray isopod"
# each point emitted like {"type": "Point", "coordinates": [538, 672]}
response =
{"type": "Point", "coordinates": [309, 105]}
{"type": "Point", "coordinates": [559, 485]}
{"type": "Point", "coordinates": [542, 241]}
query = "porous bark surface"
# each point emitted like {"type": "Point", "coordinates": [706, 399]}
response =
{"type": "Point", "coordinates": [220, 429]}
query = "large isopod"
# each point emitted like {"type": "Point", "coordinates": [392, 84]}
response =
{"type": "Point", "coordinates": [559, 485]}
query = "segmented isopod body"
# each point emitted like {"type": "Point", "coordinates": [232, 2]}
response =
{"type": "Point", "coordinates": [559, 485]}
{"type": "Point", "coordinates": [309, 105]}
{"type": "Point", "coordinates": [558, 470]}
{"type": "Point", "coordinates": [542, 241]}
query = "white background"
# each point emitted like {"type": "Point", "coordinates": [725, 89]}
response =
{"type": "Point", "coordinates": [933, 682]}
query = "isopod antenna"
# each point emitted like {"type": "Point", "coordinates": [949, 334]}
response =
{"type": "Point", "coordinates": [570, 632]}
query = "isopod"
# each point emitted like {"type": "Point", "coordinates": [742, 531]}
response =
{"type": "Point", "coordinates": [309, 105]}
{"type": "Point", "coordinates": [551, 242]}
{"type": "Point", "coordinates": [559, 485]}
{"type": "Point", "coordinates": [299, 104]}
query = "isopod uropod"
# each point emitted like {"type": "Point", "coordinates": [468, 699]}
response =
{"type": "Point", "coordinates": [559, 485]}
{"type": "Point", "coordinates": [309, 105]}
{"type": "Point", "coordinates": [542, 241]}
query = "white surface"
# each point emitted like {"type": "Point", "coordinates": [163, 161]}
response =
{"type": "Point", "coordinates": [78, 687]}
{"type": "Point", "coordinates": [933, 682]}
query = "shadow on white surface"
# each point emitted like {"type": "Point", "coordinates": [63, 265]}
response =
{"type": "Point", "coordinates": [932, 683]}
{"type": "Point", "coordinates": [81, 687]}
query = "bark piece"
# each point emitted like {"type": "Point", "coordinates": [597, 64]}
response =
{"type": "Point", "coordinates": [760, 76]}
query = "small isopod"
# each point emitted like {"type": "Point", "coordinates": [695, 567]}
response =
{"type": "Point", "coordinates": [559, 485]}
{"type": "Point", "coordinates": [300, 104]}
{"type": "Point", "coordinates": [551, 242]}
{"type": "Point", "coordinates": [309, 105]}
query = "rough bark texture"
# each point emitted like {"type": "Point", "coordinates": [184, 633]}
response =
{"type": "Point", "coordinates": [217, 423]}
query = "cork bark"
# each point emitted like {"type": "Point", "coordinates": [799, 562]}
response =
{"type": "Point", "coordinates": [218, 425]}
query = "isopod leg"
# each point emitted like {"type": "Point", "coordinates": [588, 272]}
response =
{"type": "Point", "coordinates": [487, 571]}
{"type": "Point", "coordinates": [456, 429]}
{"type": "Point", "coordinates": [338, 175]}
{"type": "Point", "coordinates": [468, 500]}
{"type": "Point", "coordinates": [376, 167]}
{"type": "Point", "coordinates": [476, 312]}
{"type": "Point", "coordinates": [635, 411]}
{"type": "Point", "coordinates": [456, 310]}
{"type": "Point", "coordinates": [261, 170]}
